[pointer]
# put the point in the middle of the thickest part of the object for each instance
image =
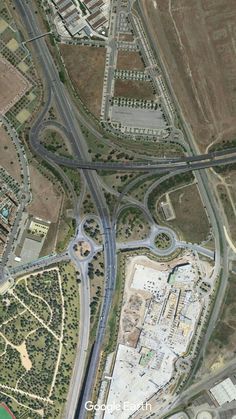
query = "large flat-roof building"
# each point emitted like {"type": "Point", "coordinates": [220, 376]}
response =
{"type": "Point", "coordinates": [224, 392]}
{"type": "Point", "coordinates": [70, 15]}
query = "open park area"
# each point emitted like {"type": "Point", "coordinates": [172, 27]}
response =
{"type": "Point", "coordinates": [38, 315]}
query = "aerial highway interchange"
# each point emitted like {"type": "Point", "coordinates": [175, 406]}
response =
{"type": "Point", "coordinates": [163, 249]}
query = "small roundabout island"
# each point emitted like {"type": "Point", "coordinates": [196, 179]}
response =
{"type": "Point", "coordinates": [82, 249]}
{"type": "Point", "coordinates": [163, 240]}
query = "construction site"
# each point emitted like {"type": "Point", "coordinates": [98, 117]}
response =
{"type": "Point", "coordinates": [161, 309]}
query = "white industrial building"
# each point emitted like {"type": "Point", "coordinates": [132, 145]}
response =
{"type": "Point", "coordinates": [224, 392]}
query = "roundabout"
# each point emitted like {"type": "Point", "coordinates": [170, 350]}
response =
{"type": "Point", "coordinates": [82, 249]}
{"type": "Point", "coordinates": [204, 415]}
{"type": "Point", "coordinates": [163, 240]}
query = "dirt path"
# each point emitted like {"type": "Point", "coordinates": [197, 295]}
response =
{"type": "Point", "coordinates": [24, 393]}
{"type": "Point", "coordinates": [40, 298]}
{"type": "Point", "coordinates": [34, 315]}
{"type": "Point", "coordinates": [25, 360]}
{"type": "Point", "coordinates": [61, 337]}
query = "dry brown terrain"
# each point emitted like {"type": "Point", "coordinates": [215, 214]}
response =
{"type": "Point", "coordinates": [8, 155]}
{"type": "Point", "coordinates": [86, 66]}
{"type": "Point", "coordinates": [46, 200]}
{"type": "Point", "coordinates": [189, 210]}
{"type": "Point", "coordinates": [128, 37]}
{"type": "Point", "coordinates": [228, 207]}
{"type": "Point", "coordinates": [129, 60]}
{"type": "Point", "coordinates": [134, 89]}
{"type": "Point", "coordinates": [221, 347]}
{"type": "Point", "coordinates": [12, 85]}
{"type": "Point", "coordinates": [197, 41]}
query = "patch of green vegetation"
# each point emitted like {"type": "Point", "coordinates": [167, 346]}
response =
{"type": "Point", "coordinates": [69, 224]}
{"type": "Point", "coordinates": [74, 177]}
{"type": "Point", "coordinates": [163, 241]}
{"type": "Point", "coordinates": [96, 276]}
{"type": "Point", "coordinates": [2, 345]}
{"type": "Point", "coordinates": [70, 288]}
{"type": "Point", "coordinates": [17, 329]}
{"type": "Point", "coordinates": [92, 229]}
{"type": "Point", "coordinates": [53, 141]}
{"type": "Point", "coordinates": [8, 307]}
{"type": "Point", "coordinates": [118, 181]}
{"type": "Point", "coordinates": [223, 145]}
{"type": "Point", "coordinates": [111, 200]}
{"type": "Point", "coordinates": [82, 7]}
{"type": "Point", "coordinates": [225, 169]}
{"type": "Point", "coordinates": [42, 348]}
{"type": "Point", "coordinates": [38, 306]}
{"type": "Point", "coordinates": [188, 209]}
{"type": "Point", "coordinates": [88, 205]}
{"type": "Point", "coordinates": [112, 328]}
{"type": "Point", "coordinates": [114, 317]}
{"type": "Point", "coordinates": [140, 188]}
{"type": "Point", "coordinates": [46, 286]}
{"type": "Point", "coordinates": [9, 397]}
{"type": "Point", "coordinates": [11, 367]}
{"type": "Point", "coordinates": [62, 75]}
{"type": "Point", "coordinates": [131, 225]}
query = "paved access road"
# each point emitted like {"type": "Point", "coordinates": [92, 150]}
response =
{"type": "Point", "coordinates": [25, 194]}
{"type": "Point", "coordinates": [55, 90]}
{"type": "Point", "coordinates": [162, 165]}
{"type": "Point", "coordinates": [221, 254]}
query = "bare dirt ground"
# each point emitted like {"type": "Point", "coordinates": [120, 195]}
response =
{"type": "Point", "coordinates": [134, 301]}
{"type": "Point", "coordinates": [196, 39]}
{"type": "Point", "coordinates": [128, 37]}
{"type": "Point", "coordinates": [134, 89]}
{"type": "Point", "coordinates": [12, 85]}
{"type": "Point", "coordinates": [26, 362]}
{"type": "Point", "coordinates": [225, 193]}
{"type": "Point", "coordinates": [129, 60]}
{"type": "Point", "coordinates": [86, 66]}
{"type": "Point", "coordinates": [82, 249]}
{"type": "Point", "coordinates": [189, 210]}
{"type": "Point", "coordinates": [8, 155]}
{"type": "Point", "coordinates": [46, 200]}
{"type": "Point", "coordinates": [221, 347]}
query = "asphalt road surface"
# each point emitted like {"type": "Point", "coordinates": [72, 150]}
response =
{"type": "Point", "coordinates": [55, 90]}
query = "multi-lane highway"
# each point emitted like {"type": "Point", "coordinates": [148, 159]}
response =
{"type": "Point", "coordinates": [221, 254]}
{"type": "Point", "coordinates": [163, 165]}
{"type": "Point", "coordinates": [56, 91]}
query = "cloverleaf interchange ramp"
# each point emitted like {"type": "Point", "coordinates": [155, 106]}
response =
{"type": "Point", "coordinates": [223, 157]}
{"type": "Point", "coordinates": [56, 91]}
